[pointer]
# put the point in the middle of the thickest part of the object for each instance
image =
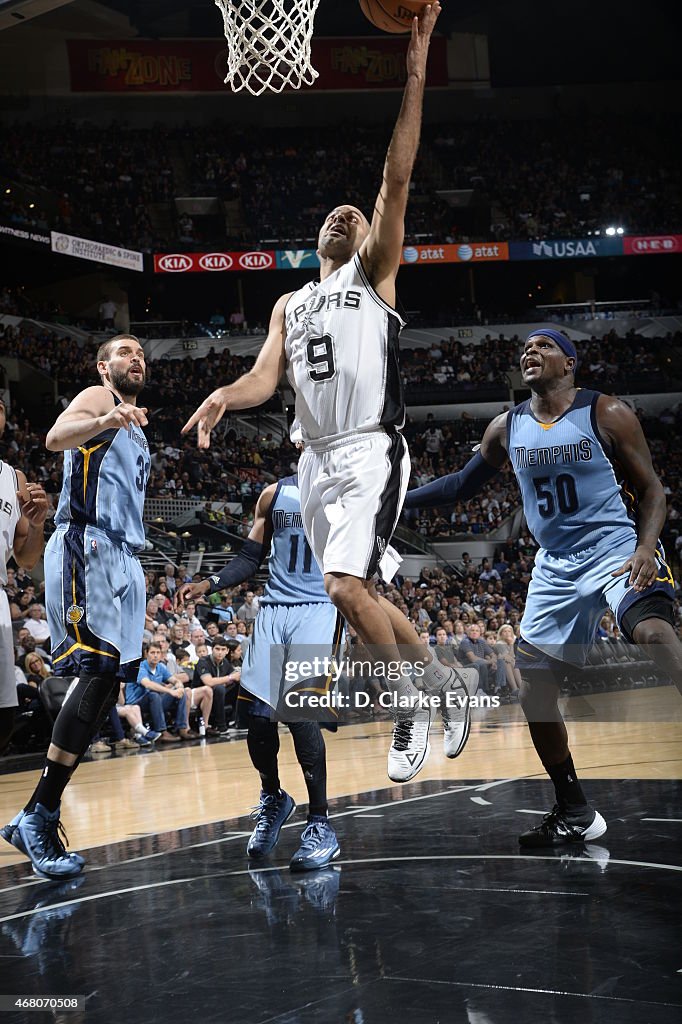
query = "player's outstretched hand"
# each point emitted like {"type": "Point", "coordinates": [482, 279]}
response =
{"type": "Point", "coordinates": [209, 413]}
{"type": "Point", "coordinates": [189, 592]}
{"type": "Point", "coordinates": [121, 416]}
{"type": "Point", "coordinates": [643, 568]}
{"type": "Point", "coordinates": [33, 503]}
{"type": "Point", "coordinates": [422, 27]}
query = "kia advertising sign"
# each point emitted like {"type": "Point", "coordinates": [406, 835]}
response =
{"type": "Point", "coordinates": [648, 245]}
{"type": "Point", "coordinates": [213, 262]}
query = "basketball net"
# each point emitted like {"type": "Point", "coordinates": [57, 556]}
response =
{"type": "Point", "coordinates": [268, 43]}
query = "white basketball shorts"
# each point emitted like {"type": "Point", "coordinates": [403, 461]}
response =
{"type": "Point", "coordinates": [352, 492]}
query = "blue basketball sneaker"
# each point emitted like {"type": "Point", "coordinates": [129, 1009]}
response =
{"type": "Point", "coordinates": [319, 846]}
{"type": "Point", "coordinates": [9, 830]}
{"type": "Point", "coordinates": [271, 814]}
{"type": "Point", "coordinates": [37, 835]}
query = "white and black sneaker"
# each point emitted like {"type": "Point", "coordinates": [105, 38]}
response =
{"type": "Point", "coordinates": [455, 710]}
{"type": "Point", "coordinates": [556, 828]}
{"type": "Point", "coordinates": [410, 747]}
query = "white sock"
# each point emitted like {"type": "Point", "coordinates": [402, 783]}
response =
{"type": "Point", "coordinates": [403, 687]}
{"type": "Point", "coordinates": [139, 730]}
{"type": "Point", "coordinates": [436, 676]}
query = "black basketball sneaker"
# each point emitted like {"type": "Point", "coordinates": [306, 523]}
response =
{"type": "Point", "coordinates": [557, 828]}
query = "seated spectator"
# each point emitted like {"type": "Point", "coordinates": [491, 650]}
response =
{"type": "Point", "coordinates": [170, 578]}
{"type": "Point", "coordinates": [212, 631]}
{"type": "Point", "coordinates": [234, 632]}
{"type": "Point", "coordinates": [157, 691]}
{"type": "Point", "coordinates": [445, 652]}
{"type": "Point", "coordinates": [26, 645]}
{"type": "Point", "coordinates": [201, 697]}
{"type": "Point", "coordinates": [164, 596]}
{"type": "Point", "coordinates": [202, 651]}
{"type": "Point", "coordinates": [35, 668]}
{"type": "Point", "coordinates": [506, 652]}
{"type": "Point", "coordinates": [177, 638]}
{"type": "Point", "coordinates": [248, 611]}
{"type": "Point", "coordinates": [475, 651]}
{"type": "Point", "coordinates": [216, 671]}
{"type": "Point", "coordinates": [191, 615]}
{"type": "Point", "coordinates": [197, 638]}
{"type": "Point", "coordinates": [223, 610]}
{"type": "Point", "coordinates": [27, 685]}
{"type": "Point", "coordinates": [36, 624]}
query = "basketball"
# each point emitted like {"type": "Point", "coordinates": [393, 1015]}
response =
{"type": "Point", "coordinates": [392, 15]}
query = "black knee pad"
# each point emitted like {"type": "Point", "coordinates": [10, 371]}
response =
{"type": "Point", "coordinates": [263, 744]}
{"type": "Point", "coordinates": [309, 743]}
{"type": "Point", "coordinates": [84, 711]}
{"type": "Point", "coordinates": [261, 729]}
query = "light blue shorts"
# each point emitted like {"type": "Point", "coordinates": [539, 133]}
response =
{"type": "Point", "coordinates": [285, 635]}
{"type": "Point", "coordinates": [95, 599]}
{"type": "Point", "coordinates": [570, 592]}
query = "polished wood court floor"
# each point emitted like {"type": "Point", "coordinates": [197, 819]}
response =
{"type": "Point", "coordinates": [634, 734]}
{"type": "Point", "coordinates": [432, 913]}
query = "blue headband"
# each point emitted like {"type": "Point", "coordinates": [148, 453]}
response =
{"type": "Point", "coordinates": [564, 343]}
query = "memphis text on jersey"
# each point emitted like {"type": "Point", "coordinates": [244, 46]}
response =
{"type": "Point", "coordinates": [558, 454]}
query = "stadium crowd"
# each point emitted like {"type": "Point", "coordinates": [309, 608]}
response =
{"type": "Point", "coordinates": [239, 467]}
{"type": "Point", "coordinates": [469, 610]}
{"type": "Point", "coordinates": [469, 607]}
{"type": "Point", "coordinates": [450, 369]}
{"type": "Point", "coordinates": [530, 180]}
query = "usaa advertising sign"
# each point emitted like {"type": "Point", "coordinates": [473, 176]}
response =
{"type": "Point", "coordinates": [566, 249]}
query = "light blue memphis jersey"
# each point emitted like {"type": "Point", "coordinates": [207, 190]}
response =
{"type": "Point", "coordinates": [104, 485]}
{"type": "Point", "coordinates": [572, 498]}
{"type": "Point", "coordinates": [294, 576]}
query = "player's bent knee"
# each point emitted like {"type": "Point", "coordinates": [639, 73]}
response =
{"type": "Point", "coordinates": [94, 696]}
{"type": "Point", "coordinates": [84, 711]}
{"type": "Point", "coordinates": [653, 631]}
{"type": "Point", "coordinates": [538, 696]}
{"type": "Point", "coordinates": [261, 729]}
{"type": "Point", "coordinates": [344, 591]}
{"type": "Point", "coordinates": [308, 741]}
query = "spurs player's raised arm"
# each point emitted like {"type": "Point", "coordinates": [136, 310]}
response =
{"type": "Point", "coordinates": [381, 251]}
{"type": "Point", "coordinates": [91, 412]}
{"type": "Point", "coordinates": [252, 388]}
